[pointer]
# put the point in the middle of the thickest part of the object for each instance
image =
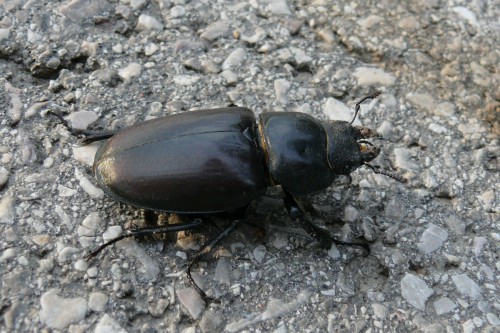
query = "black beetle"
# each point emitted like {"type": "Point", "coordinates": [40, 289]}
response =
{"type": "Point", "coordinates": [217, 160]}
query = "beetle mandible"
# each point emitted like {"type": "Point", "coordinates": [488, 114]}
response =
{"type": "Point", "coordinates": [217, 160]}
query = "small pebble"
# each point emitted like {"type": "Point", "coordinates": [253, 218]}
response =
{"type": "Point", "coordinates": [97, 301]}
{"type": "Point", "coordinates": [444, 305]}
{"type": "Point", "coordinates": [415, 291]}
{"type": "Point", "coordinates": [191, 301]}
{"type": "Point", "coordinates": [131, 71]}
{"type": "Point", "coordinates": [281, 89]}
{"type": "Point", "coordinates": [7, 209]}
{"type": "Point", "coordinates": [368, 76]}
{"type": "Point", "coordinates": [147, 23]}
{"type": "Point", "coordinates": [58, 312]}
{"type": "Point", "coordinates": [216, 30]}
{"type": "Point", "coordinates": [234, 59]}
{"type": "Point", "coordinates": [88, 187]}
{"type": "Point", "coordinates": [81, 120]}
{"type": "Point", "coordinates": [466, 286]}
{"type": "Point", "coordinates": [108, 325]}
{"type": "Point", "coordinates": [432, 239]}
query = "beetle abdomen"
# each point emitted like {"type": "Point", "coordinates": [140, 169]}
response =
{"type": "Point", "coordinates": [194, 162]}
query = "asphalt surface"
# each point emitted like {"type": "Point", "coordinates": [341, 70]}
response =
{"type": "Point", "coordinates": [106, 65]}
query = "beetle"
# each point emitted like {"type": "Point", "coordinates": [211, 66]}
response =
{"type": "Point", "coordinates": [219, 160]}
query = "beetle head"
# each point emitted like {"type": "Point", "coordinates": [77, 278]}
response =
{"type": "Point", "coordinates": [348, 148]}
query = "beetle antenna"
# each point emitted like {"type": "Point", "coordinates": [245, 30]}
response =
{"type": "Point", "coordinates": [358, 104]}
{"type": "Point", "coordinates": [394, 176]}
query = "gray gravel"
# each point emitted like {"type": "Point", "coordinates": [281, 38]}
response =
{"type": "Point", "coordinates": [434, 261]}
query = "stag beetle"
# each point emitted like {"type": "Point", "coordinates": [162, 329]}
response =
{"type": "Point", "coordinates": [220, 160]}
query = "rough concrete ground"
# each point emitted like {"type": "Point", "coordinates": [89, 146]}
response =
{"type": "Point", "coordinates": [434, 259]}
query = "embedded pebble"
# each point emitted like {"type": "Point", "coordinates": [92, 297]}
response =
{"type": "Point", "coordinates": [158, 307]}
{"type": "Point", "coordinates": [415, 291]}
{"type": "Point", "coordinates": [370, 21]}
{"type": "Point", "coordinates": [108, 325]}
{"type": "Point", "coordinates": [402, 159]}
{"type": "Point", "coordinates": [151, 49]}
{"type": "Point", "coordinates": [456, 225]}
{"type": "Point", "coordinates": [336, 110]}
{"type": "Point", "coordinates": [92, 190]}
{"type": "Point", "coordinates": [78, 10]}
{"type": "Point", "coordinates": [7, 209]}
{"type": "Point", "coordinates": [385, 129]}
{"type": "Point", "coordinates": [4, 34]}
{"type": "Point", "coordinates": [334, 252]}
{"type": "Point", "coordinates": [223, 271]}
{"type": "Point", "coordinates": [466, 14]}
{"type": "Point", "coordinates": [487, 199]}
{"type": "Point", "coordinates": [67, 254]}
{"type": "Point", "coordinates": [35, 109]}
{"type": "Point", "coordinates": [444, 305]}
{"type": "Point", "coordinates": [191, 301]}
{"type": "Point", "coordinates": [82, 119]}
{"type": "Point", "coordinates": [15, 106]}
{"type": "Point", "coordinates": [147, 23]}
{"type": "Point", "coordinates": [351, 214]}
{"type": "Point", "coordinates": [58, 312]}
{"type": "Point", "coordinates": [108, 76]}
{"type": "Point", "coordinates": [216, 30]}
{"type": "Point", "coordinates": [380, 311]}
{"type": "Point", "coordinates": [278, 7]}
{"type": "Point", "coordinates": [8, 254]}
{"type": "Point", "coordinates": [275, 308]}
{"type": "Point", "coordinates": [137, 4]}
{"type": "Point", "coordinates": [368, 76]}
{"type": "Point", "coordinates": [259, 253]}
{"type": "Point", "coordinates": [423, 100]}
{"type": "Point", "coordinates": [148, 267]}
{"type": "Point", "coordinates": [177, 11]}
{"type": "Point", "coordinates": [466, 286]}
{"type": "Point", "coordinates": [234, 59]}
{"type": "Point", "coordinates": [97, 301]}
{"type": "Point", "coordinates": [230, 77]}
{"type": "Point", "coordinates": [81, 265]}
{"type": "Point", "coordinates": [86, 154]}
{"type": "Point", "coordinates": [131, 71]}
{"type": "Point", "coordinates": [259, 35]}
{"type": "Point", "coordinates": [300, 56]}
{"type": "Point", "coordinates": [211, 322]}
{"type": "Point", "coordinates": [90, 225]}
{"type": "Point", "coordinates": [479, 243]}
{"type": "Point", "coordinates": [112, 232]}
{"type": "Point", "coordinates": [432, 239]}
{"type": "Point", "coordinates": [281, 88]}
{"type": "Point", "coordinates": [186, 80]}
{"type": "Point", "coordinates": [493, 319]}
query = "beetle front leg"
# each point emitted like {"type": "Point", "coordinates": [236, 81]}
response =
{"type": "Point", "coordinates": [296, 213]}
{"type": "Point", "coordinates": [321, 235]}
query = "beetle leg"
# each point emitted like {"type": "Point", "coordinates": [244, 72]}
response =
{"type": "Point", "coordinates": [88, 136]}
{"type": "Point", "coordinates": [206, 249]}
{"type": "Point", "coordinates": [358, 104]}
{"type": "Point", "coordinates": [321, 235]}
{"type": "Point", "coordinates": [296, 213]}
{"type": "Point", "coordinates": [395, 176]}
{"type": "Point", "coordinates": [146, 232]}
